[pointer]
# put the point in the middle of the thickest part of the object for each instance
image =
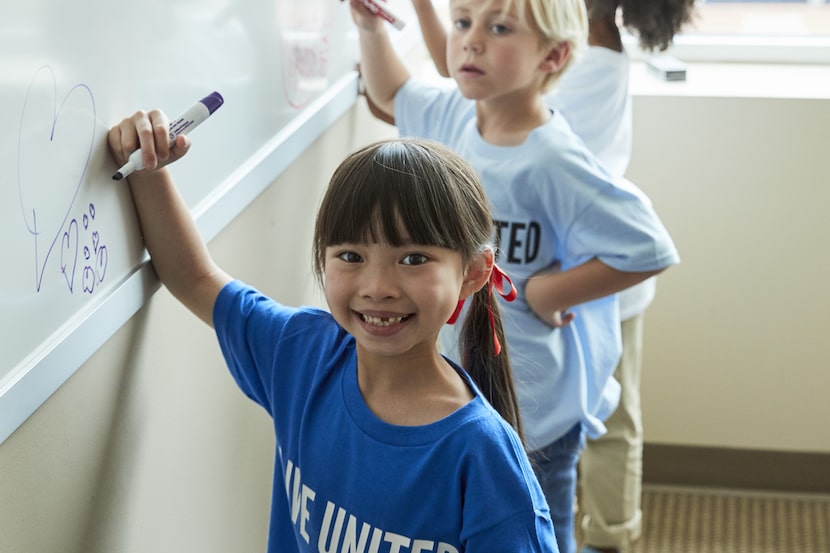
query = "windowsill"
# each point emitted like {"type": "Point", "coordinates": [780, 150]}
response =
{"type": "Point", "coordinates": [741, 49]}
{"type": "Point", "coordinates": [736, 80]}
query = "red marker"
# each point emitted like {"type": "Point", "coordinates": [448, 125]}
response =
{"type": "Point", "coordinates": [379, 8]}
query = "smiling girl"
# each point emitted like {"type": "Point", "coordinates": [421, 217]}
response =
{"type": "Point", "coordinates": [383, 444]}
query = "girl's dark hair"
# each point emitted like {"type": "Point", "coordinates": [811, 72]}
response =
{"type": "Point", "coordinates": [420, 190]}
{"type": "Point", "coordinates": [654, 22]}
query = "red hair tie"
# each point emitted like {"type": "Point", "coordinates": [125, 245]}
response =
{"type": "Point", "coordinates": [498, 280]}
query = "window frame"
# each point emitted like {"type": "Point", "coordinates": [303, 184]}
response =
{"type": "Point", "coordinates": [695, 46]}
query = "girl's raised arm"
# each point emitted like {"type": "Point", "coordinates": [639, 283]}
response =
{"type": "Point", "coordinates": [178, 253]}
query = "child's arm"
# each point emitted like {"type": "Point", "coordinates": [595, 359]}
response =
{"type": "Point", "coordinates": [434, 33]}
{"type": "Point", "coordinates": [549, 295]}
{"type": "Point", "coordinates": [435, 37]}
{"type": "Point", "coordinates": [178, 253]}
{"type": "Point", "coordinates": [382, 70]}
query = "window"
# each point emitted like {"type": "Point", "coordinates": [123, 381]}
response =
{"type": "Point", "coordinates": [796, 18]}
{"type": "Point", "coordinates": [782, 31]}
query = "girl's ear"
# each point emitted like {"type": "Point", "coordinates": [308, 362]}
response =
{"type": "Point", "coordinates": [557, 57]}
{"type": "Point", "coordinates": [478, 273]}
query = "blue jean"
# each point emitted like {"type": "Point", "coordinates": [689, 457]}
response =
{"type": "Point", "coordinates": [555, 467]}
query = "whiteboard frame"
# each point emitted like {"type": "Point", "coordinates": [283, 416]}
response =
{"type": "Point", "coordinates": [38, 376]}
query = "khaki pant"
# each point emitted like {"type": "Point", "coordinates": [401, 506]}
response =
{"type": "Point", "coordinates": [611, 468]}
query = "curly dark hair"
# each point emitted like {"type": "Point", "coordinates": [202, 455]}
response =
{"type": "Point", "coordinates": [654, 22]}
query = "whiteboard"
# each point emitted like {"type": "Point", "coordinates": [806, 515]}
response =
{"type": "Point", "coordinates": [74, 269]}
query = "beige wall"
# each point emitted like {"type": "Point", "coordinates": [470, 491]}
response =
{"type": "Point", "coordinates": [736, 351]}
{"type": "Point", "coordinates": [151, 447]}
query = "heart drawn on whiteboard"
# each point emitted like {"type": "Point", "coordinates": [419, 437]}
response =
{"type": "Point", "coordinates": [54, 149]}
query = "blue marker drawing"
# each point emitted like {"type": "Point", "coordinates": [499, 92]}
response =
{"type": "Point", "coordinates": [53, 160]}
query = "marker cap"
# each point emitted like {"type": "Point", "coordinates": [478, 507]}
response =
{"type": "Point", "coordinates": [213, 101]}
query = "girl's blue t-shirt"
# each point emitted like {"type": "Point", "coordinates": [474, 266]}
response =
{"type": "Point", "coordinates": [345, 480]}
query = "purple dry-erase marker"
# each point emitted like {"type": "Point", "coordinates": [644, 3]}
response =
{"type": "Point", "coordinates": [191, 119]}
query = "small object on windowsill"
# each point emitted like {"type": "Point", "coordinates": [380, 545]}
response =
{"type": "Point", "coordinates": [666, 67]}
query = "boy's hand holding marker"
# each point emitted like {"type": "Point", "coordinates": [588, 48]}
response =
{"type": "Point", "coordinates": [381, 9]}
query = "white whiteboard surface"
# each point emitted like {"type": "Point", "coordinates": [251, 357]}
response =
{"type": "Point", "coordinates": [74, 268]}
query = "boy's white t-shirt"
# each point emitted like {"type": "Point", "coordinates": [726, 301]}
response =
{"type": "Point", "coordinates": [593, 96]}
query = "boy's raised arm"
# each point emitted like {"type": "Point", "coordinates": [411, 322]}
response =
{"type": "Point", "coordinates": [434, 33]}
{"type": "Point", "coordinates": [382, 70]}
{"type": "Point", "coordinates": [178, 253]}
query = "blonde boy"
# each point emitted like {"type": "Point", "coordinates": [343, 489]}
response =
{"type": "Point", "coordinates": [562, 219]}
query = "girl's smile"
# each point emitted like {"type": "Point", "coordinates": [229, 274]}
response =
{"type": "Point", "coordinates": [383, 325]}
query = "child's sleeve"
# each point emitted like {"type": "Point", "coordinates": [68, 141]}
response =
{"type": "Point", "coordinates": [623, 230]}
{"type": "Point", "coordinates": [524, 533]}
{"type": "Point", "coordinates": [426, 111]}
{"type": "Point", "coordinates": [274, 352]}
{"type": "Point", "coordinates": [247, 325]}
{"type": "Point", "coordinates": [509, 513]}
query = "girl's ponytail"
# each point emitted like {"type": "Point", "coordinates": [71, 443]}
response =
{"type": "Point", "coordinates": [491, 371]}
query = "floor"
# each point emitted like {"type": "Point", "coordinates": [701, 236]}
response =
{"type": "Point", "coordinates": [689, 520]}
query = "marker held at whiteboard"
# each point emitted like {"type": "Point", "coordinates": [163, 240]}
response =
{"type": "Point", "coordinates": [379, 8]}
{"type": "Point", "coordinates": [191, 119]}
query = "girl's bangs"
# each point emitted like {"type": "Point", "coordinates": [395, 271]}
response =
{"type": "Point", "coordinates": [391, 201]}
